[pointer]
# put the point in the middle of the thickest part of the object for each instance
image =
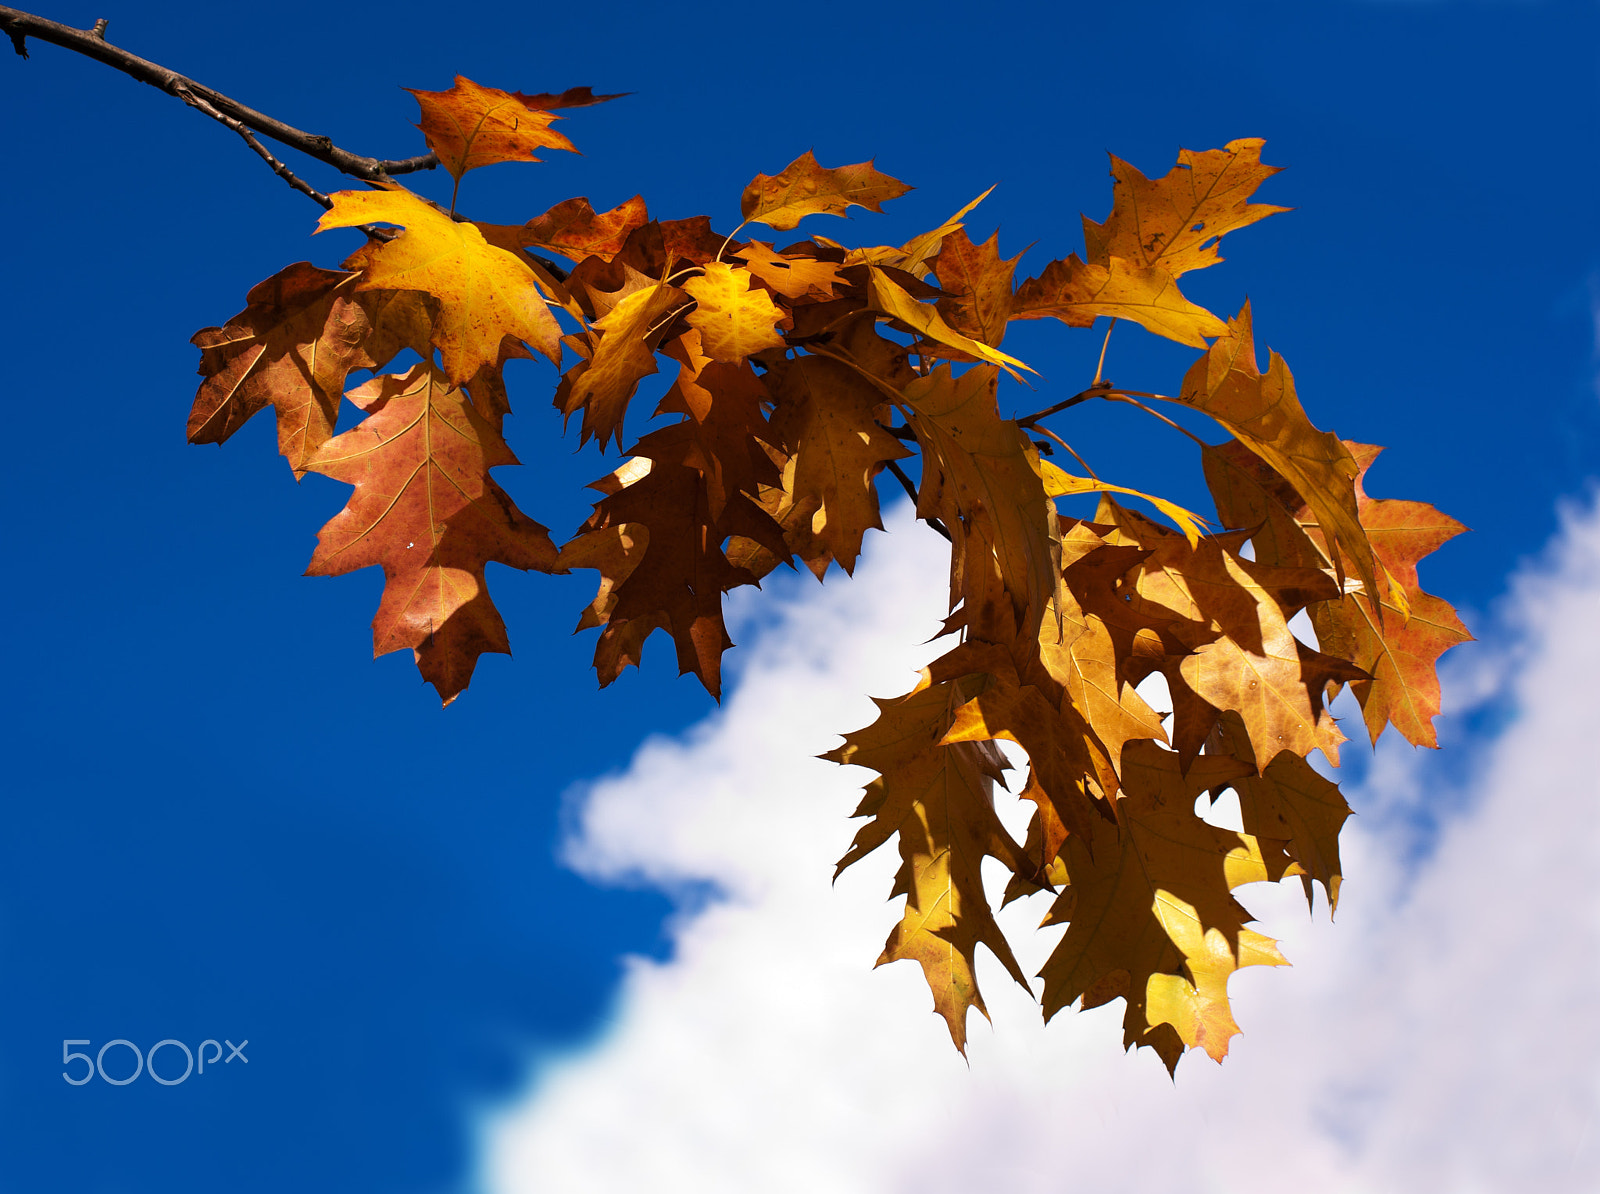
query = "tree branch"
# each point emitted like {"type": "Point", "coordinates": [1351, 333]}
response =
{"type": "Point", "coordinates": [92, 44]}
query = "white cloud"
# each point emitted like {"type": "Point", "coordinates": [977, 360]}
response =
{"type": "Point", "coordinates": [1441, 1037]}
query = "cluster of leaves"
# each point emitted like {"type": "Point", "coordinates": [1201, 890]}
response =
{"type": "Point", "coordinates": [801, 373]}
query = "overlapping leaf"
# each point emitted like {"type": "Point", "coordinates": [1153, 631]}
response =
{"type": "Point", "coordinates": [806, 188]}
{"type": "Point", "coordinates": [485, 293]}
{"type": "Point", "coordinates": [426, 511]}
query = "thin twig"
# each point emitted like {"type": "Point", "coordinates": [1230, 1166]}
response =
{"type": "Point", "coordinates": [911, 492]}
{"type": "Point", "coordinates": [278, 168]}
{"type": "Point", "coordinates": [1099, 390]}
{"type": "Point", "coordinates": [92, 44]}
{"type": "Point", "coordinates": [1071, 449]}
{"type": "Point", "coordinates": [1122, 396]}
{"type": "Point", "coordinates": [1104, 344]}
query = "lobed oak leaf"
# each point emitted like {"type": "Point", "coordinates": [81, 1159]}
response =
{"type": "Point", "coordinates": [826, 421]}
{"type": "Point", "coordinates": [939, 799]}
{"type": "Point", "coordinates": [978, 281]}
{"type": "Point", "coordinates": [734, 320]}
{"type": "Point", "coordinates": [303, 331]}
{"type": "Point", "coordinates": [1400, 651]}
{"type": "Point", "coordinates": [602, 385]}
{"type": "Point", "coordinates": [981, 476]}
{"type": "Point", "coordinates": [485, 293]}
{"type": "Point", "coordinates": [573, 229]}
{"type": "Point", "coordinates": [1264, 413]}
{"type": "Point", "coordinates": [1176, 221]}
{"type": "Point", "coordinates": [1149, 896]}
{"type": "Point", "coordinates": [426, 511]}
{"type": "Point", "coordinates": [1288, 801]}
{"type": "Point", "coordinates": [791, 276]}
{"type": "Point", "coordinates": [805, 188]}
{"type": "Point", "coordinates": [1076, 293]}
{"type": "Point", "coordinates": [470, 126]}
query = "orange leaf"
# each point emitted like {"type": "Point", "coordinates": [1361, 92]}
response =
{"type": "Point", "coordinates": [1175, 222]}
{"type": "Point", "coordinates": [426, 511]}
{"type": "Point", "coordinates": [1075, 293]}
{"type": "Point", "coordinates": [804, 188]}
{"type": "Point", "coordinates": [485, 293]}
{"type": "Point", "coordinates": [471, 126]}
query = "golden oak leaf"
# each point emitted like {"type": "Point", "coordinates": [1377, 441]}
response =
{"type": "Point", "coordinates": [1264, 413]}
{"type": "Point", "coordinates": [892, 299]}
{"type": "Point", "coordinates": [804, 188]}
{"type": "Point", "coordinates": [292, 347]}
{"type": "Point", "coordinates": [1150, 896]}
{"type": "Point", "coordinates": [1290, 802]}
{"type": "Point", "coordinates": [1400, 651]}
{"type": "Point", "coordinates": [426, 511]}
{"type": "Point", "coordinates": [692, 240]}
{"type": "Point", "coordinates": [1176, 221]}
{"type": "Point", "coordinates": [939, 799]}
{"type": "Point", "coordinates": [1052, 733]}
{"type": "Point", "coordinates": [791, 276]}
{"type": "Point", "coordinates": [1249, 493]}
{"type": "Point", "coordinates": [1078, 651]}
{"type": "Point", "coordinates": [825, 418]}
{"type": "Point", "coordinates": [1075, 293]}
{"type": "Point", "coordinates": [734, 320]}
{"type": "Point", "coordinates": [603, 385]}
{"type": "Point", "coordinates": [485, 293]}
{"type": "Point", "coordinates": [978, 282]}
{"type": "Point", "coordinates": [981, 476]}
{"type": "Point", "coordinates": [573, 229]}
{"type": "Point", "coordinates": [470, 126]}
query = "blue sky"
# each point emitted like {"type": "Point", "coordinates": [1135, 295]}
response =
{"type": "Point", "coordinates": [226, 821]}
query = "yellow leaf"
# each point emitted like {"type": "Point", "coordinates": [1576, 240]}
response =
{"type": "Point", "coordinates": [804, 188]}
{"type": "Point", "coordinates": [1075, 293]}
{"type": "Point", "coordinates": [1175, 222]}
{"type": "Point", "coordinates": [734, 321]}
{"type": "Point", "coordinates": [1060, 483]}
{"type": "Point", "coordinates": [920, 250]}
{"type": "Point", "coordinates": [603, 385]}
{"type": "Point", "coordinates": [485, 293]}
{"type": "Point", "coordinates": [470, 126]}
{"type": "Point", "coordinates": [892, 299]}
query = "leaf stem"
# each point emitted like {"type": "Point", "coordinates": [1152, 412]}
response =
{"type": "Point", "coordinates": [1122, 396]}
{"type": "Point", "coordinates": [1104, 344]}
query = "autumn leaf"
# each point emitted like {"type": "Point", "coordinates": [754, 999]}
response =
{"type": "Point", "coordinates": [573, 228]}
{"type": "Point", "coordinates": [824, 419]}
{"type": "Point", "coordinates": [986, 481]}
{"type": "Point", "coordinates": [426, 511]}
{"type": "Point", "coordinates": [572, 97]}
{"type": "Point", "coordinates": [1400, 651]}
{"type": "Point", "coordinates": [603, 385]}
{"type": "Point", "coordinates": [939, 799]}
{"type": "Point", "coordinates": [470, 126]}
{"type": "Point", "coordinates": [792, 276]}
{"type": "Point", "coordinates": [919, 251]}
{"type": "Point", "coordinates": [892, 299]}
{"type": "Point", "coordinates": [1264, 413]}
{"type": "Point", "coordinates": [1175, 222]}
{"type": "Point", "coordinates": [734, 320]}
{"type": "Point", "coordinates": [1076, 293]}
{"type": "Point", "coordinates": [805, 188]}
{"type": "Point", "coordinates": [485, 293]}
{"type": "Point", "coordinates": [1149, 913]}
{"type": "Point", "coordinates": [978, 281]}
{"type": "Point", "coordinates": [1060, 483]}
{"type": "Point", "coordinates": [291, 348]}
